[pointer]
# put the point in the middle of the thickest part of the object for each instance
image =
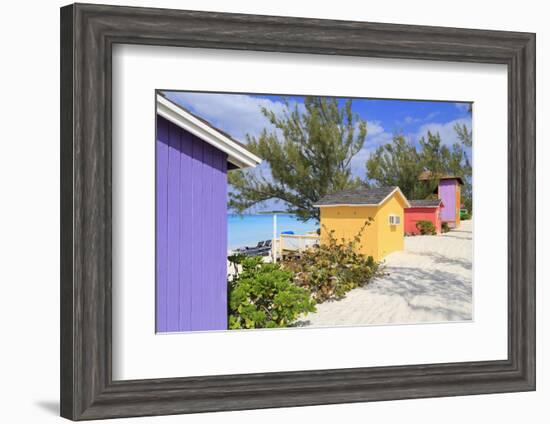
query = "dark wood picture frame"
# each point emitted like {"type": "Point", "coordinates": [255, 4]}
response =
{"type": "Point", "coordinates": [88, 33]}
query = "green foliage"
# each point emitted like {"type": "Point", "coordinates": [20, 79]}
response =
{"type": "Point", "coordinates": [400, 162]}
{"type": "Point", "coordinates": [426, 228]}
{"type": "Point", "coordinates": [308, 153]}
{"type": "Point", "coordinates": [445, 227]}
{"type": "Point", "coordinates": [235, 260]}
{"type": "Point", "coordinates": [464, 215]}
{"type": "Point", "coordinates": [465, 136]}
{"type": "Point", "coordinates": [332, 269]}
{"type": "Point", "coordinates": [263, 296]}
{"type": "Point", "coordinates": [434, 155]}
{"type": "Point", "coordinates": [454, 160]}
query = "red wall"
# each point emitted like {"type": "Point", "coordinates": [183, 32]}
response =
{"type": "Point", "coordinates": [413, 215]}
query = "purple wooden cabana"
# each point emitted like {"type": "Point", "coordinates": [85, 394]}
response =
{"type": "Point", "coordinates": [448, 190]}
{"type": "Point", "coordinates": [192, 160]}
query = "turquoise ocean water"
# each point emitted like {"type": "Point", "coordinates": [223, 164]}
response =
{"type": "Point", "coordinates": [247, 230]}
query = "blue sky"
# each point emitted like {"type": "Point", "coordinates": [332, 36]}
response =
{"type": "Point", "coordinates": [239, 114]}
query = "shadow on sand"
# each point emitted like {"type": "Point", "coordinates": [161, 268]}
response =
{"type": "Point", "coordinates": [440, 259]}
{"type": "Point", "coordinates": [446, 294]}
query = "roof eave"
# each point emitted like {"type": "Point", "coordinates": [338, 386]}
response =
{"type": "Point", "coordinates": [236, 154]}
{"type": "Point", "coordinates": [459, 179]}
{"type": "Point", "coordinates": [396, 189]}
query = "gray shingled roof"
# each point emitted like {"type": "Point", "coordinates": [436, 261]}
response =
{"type": "Point", "coordinates": [359, 196]}
{"type": "Point", "coordinates": [425, 203]}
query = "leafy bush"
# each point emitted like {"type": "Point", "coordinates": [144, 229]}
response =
{"type": "Point", "coordinates": [235, 260]}
{"type": "Point", "coordinates": [426, 228]}
{"type": "Point", "coordinates": [263, 296]}
{"type": "Point", "coordinates": [464, 215]}
{"type": "Point", "coordinates": [445, 228]}
{"type": "Point", "coordinates": [332, 269]}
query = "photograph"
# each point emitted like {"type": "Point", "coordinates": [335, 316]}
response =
{"type": "Point", "coordinates": [304, 211]}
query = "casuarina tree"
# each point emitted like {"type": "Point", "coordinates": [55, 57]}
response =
{"type": "Point", "coordinates": [307, 153]}
{"type": "Point", "coordinates": [401, 163]}
{"type": "Point", "coordinates": [397, 164]}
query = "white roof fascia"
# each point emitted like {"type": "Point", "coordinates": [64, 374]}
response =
{"type": "Point", "coordinates": [236, 154]}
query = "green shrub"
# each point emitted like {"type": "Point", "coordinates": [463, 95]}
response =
{"type": "Point", "coordinates": [263, 296]}
{"type": "Point", "coordinates": [235, 260]}
{"type": "Point", "coordinates": [445, 228]}
{"type": "Point", "coordinates": [332, 269]}
{"type": "Point", "coordinates": [426, 228]}
{"type": "Point", "coordinates": [464, 215]}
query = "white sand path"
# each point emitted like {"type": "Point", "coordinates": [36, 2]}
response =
{"type": "Point", "coordinates": [430, 281]}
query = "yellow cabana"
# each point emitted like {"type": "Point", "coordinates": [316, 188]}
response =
{"type": "Point", "coordinates": [345, 212]}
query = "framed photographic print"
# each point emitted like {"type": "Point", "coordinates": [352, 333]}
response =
{"type": "Point", "coordinates": [268, 211]}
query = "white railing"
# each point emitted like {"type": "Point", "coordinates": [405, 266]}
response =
{"type": "Point", "coordinates": [296, 243]}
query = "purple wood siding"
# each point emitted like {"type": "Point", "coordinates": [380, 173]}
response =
{"type": "Point", "coordinates": [447, 193]}
{"type": "Point", "coordinates": [191, 232]}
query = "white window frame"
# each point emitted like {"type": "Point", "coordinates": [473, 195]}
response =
{"type": "Point", "coordinates": [395, 218]}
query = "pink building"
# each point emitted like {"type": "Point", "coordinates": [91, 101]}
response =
{"type": "Point", "coordinates": [423, 210]}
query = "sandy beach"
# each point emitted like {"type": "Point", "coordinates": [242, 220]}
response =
{"type": "Point", "coordinates": [430, 281]}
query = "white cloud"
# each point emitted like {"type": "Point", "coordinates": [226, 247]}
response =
{"type": "Point", "coordinates": [431, 115]}
{"type": "Point", "coordinates": [237, 114]}
{"type": "Point", "coordinates": [374, 128]}
{"type": "Point", "coordinates": [463, 107]}
{"type": "Point", "coordinates": [240, 114]}
{"type": "Point", "coordinates": [446, 130]}
{"type": "Point", "coordinates": [358, 167]}
{"type": "Point", "coordinates": [408, 120]}
{"type": "Point", "coordinates": [376, 136]}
